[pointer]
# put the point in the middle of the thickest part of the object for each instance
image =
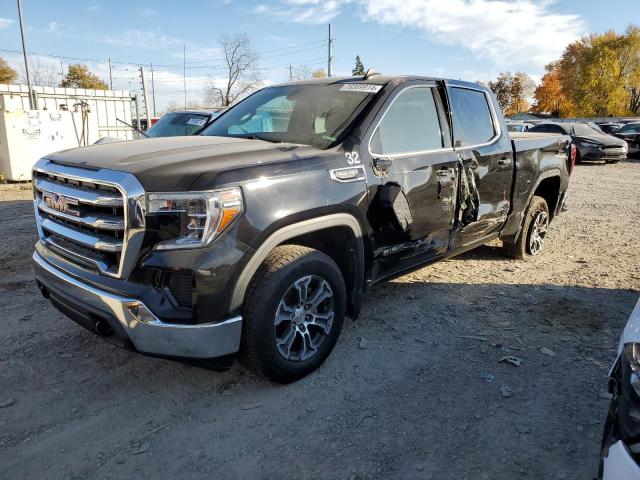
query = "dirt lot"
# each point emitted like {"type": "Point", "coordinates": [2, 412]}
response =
{"type": "Point", "coordinates": [424, 395]}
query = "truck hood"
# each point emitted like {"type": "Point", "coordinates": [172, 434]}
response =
{"type": "Point", "coordinates": [175, 163]}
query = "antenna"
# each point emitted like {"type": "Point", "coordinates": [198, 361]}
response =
{"type": "Point", "coordinates": [371, 72]}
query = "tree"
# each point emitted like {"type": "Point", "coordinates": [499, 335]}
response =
{"type": "Point", "coordinates": [301, 72]}
{"type": "Point", "coordinates": [597, 75]}
{"type": "Point", "coordinates": [7, 74]}
{"type": "Point", "coordinates": [42, 75]}
{"type": "Point", "coordinates": [319, 73]}
{"type": "Point", "coordinates": [359, 68]}
{"type": "Point", "coordinates": [79, 76]}
{"type": "Point", "coordinates": [513, 91]}
{"type": "Point", "coordinates": [550, 96]}
{"type": "Point", "coordinates": [242, 76]}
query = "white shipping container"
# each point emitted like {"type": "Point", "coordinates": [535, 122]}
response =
{"type": "Point", "coordinates": [26, 136]}
{"type": "Point", "coordinates": [66, 118]}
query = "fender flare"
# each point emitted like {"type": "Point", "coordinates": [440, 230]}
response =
{"type": "Point", "coordinates": [291, 231]}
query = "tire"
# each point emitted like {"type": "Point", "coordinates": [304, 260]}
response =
{"type": "Point", "coordinates": [274, 313]}
{"type": "Point", "coordinates": [522, 248]}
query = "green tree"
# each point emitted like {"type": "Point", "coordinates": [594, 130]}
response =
{"type": "Point", "coordinates": [79, 76]}
{"type": "Point", "coordinates": [359, 68]}
{"type": "Point", "coordinates": [7, 74]}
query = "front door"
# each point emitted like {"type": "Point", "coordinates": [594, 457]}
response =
{"type": "Point", "coordinates": [413, 211]}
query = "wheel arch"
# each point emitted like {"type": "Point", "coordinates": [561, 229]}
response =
{"type": "Point", "coordinates": [326, 234]}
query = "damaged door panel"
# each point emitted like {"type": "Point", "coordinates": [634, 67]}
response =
{"type": "Point", "coordinates": [486, 158]}
{"type": "Point", "coordinates": [414, 209]}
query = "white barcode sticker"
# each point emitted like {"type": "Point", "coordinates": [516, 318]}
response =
{"type": "Point", "coordinates": [360, 87]}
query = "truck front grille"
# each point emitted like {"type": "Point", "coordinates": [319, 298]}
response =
{"type": "Point", "coordinates": [93, 218]}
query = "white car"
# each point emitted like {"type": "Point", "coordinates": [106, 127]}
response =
{"type": "Point", "coordinates": [620, 458]}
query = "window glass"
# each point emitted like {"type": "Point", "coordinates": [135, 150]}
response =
{"type": "Point", "coordinates": [178, 124]}
{"type": "Point", "coordinates": [310, 114]}
{"type": "Point", "coordinates": [472, 122]}
{"type": "Point", "coordinates": [630, 129]}
{"type": "Point", "coordinates": [410, 124]}
{"type": "Point", "coordinates": [539, 129]}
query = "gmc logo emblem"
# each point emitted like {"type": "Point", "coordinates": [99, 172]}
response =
{"type": "Point", "coordinates": [60, 203]}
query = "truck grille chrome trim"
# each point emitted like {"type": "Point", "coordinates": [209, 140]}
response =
{"type": "Point", "coordinates": [90, 217]}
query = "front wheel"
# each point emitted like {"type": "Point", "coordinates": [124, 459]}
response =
{"type": "Point", "coordinates": [530, 241]}
{"type": "Point", "coordinates": [293, 313]}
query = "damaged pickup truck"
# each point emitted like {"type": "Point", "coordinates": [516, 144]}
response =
{"type": "Point", "coordinates": [260, 235]}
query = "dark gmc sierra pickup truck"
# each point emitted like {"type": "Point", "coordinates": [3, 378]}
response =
{"type": "Point", "coordinates": [262, 233]}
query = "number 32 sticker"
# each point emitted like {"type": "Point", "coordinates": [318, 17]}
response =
{"type": "Point", "coordinates": [353, 158]}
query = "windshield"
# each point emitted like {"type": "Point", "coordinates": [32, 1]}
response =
{"type": "Point", "coordinates": [178, 124]}
{"type": "Point", "coordinates": [584, 131]}
{"type": "Point", "coordinates": [630, 128]}
{"type": "Point", "coordinates": [305, 114]}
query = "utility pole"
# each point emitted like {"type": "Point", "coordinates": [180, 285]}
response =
{"type": "Point", "coordinates": [146, 99]}
{"type": "Point", "coordinates": [33, 101]}
{"type": "Point", "coordinates": [329, 57]}
{"type": "Point", "coordinates": [153, 91]}
{"type": "Point", "coordinates": [61, 70]}
{"type": "Point", "coordinates": [110, 76]}
{"type": "Point", "coordinates": [290, 73]}
{"type": "Point", "coordinates": [184, 73]}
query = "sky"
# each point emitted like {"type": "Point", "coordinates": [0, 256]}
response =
{"type": "Point", "coordinates": [465, 39]}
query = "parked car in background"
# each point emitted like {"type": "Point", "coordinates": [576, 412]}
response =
{"type": "Point", "coordinates": [620, 456]}
{"type": "Point", "coordinates": [182, 123]}
{"type": "Point", "coordinates": [610, 127]}
{"type": "Point", "coordinates": [630, 133]}
{"type": "Point", "coordinates": [519, 126]}
{"type": "Point", "coordinates": [591, 144]}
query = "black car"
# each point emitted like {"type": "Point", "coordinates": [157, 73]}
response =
{"type": "Point", "coordinates": [591, 144]}
{"type": "Point", "coordinates": [610, 128]}
{"type": "Point", "coordinates": [630, 133]}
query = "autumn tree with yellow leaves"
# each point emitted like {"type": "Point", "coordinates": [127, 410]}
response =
{"type": "Point", "coordinates": [597, 76]}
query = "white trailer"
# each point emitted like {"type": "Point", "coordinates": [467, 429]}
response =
{"type": "Point", "coordinates": [66, 118]}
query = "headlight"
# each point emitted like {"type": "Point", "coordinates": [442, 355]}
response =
{"type": "Point", "coordinates": [590, 144]}
{"type": "Point", "coordinates": [199, 217]}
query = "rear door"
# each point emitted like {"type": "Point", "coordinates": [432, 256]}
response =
{"type": "Point", "coordinates": [487, 157]}
{"type": "Point", "coordinates": [410, 148]}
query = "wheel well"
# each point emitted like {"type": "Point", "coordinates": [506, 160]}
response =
{"type": "Point", "coordinates": [549, 189]}
{"type": "Point", "coordinates": [339, 243]}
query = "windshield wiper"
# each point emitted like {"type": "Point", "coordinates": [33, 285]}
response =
{"type": "Point", "coordinates": [266, 139]}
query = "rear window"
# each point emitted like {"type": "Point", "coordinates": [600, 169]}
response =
{"type": "Point", "coordinates": [472, 120]}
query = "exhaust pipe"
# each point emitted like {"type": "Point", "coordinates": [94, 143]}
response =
{"type": "Point", "coordinates": [103, 328]}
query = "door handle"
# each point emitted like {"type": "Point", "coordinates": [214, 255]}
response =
{"type": "Point", "coordinates": [503, 162]}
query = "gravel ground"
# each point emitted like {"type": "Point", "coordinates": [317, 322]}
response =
{"type": "Point", "coordinates": [414, 389]}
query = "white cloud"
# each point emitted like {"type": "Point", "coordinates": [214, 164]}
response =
{"type": "Point", "coordinates": [53, 26]}
{"type": "Point", "coordinates": [524, 34]}
{"type": "Point", "coordinates": [509, 34]}
{"type": "Point", "coordinates": [304, 11]}
{"type": "Point", "coordinates": [5, 23]}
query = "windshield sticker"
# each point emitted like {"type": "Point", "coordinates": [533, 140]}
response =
{"type": "Point", "coordinates": [196, 121]}
{"type": "Point", "coordinates": [360, 87]}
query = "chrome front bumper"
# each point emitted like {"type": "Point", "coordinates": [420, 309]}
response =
{"type": "Point", "coordinates": [147, 333]}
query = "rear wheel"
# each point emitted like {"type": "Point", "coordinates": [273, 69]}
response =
{"type": "Point", "coordinates": [530, 241]}
{"type": "Point", "coordinates": [293, 313]}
